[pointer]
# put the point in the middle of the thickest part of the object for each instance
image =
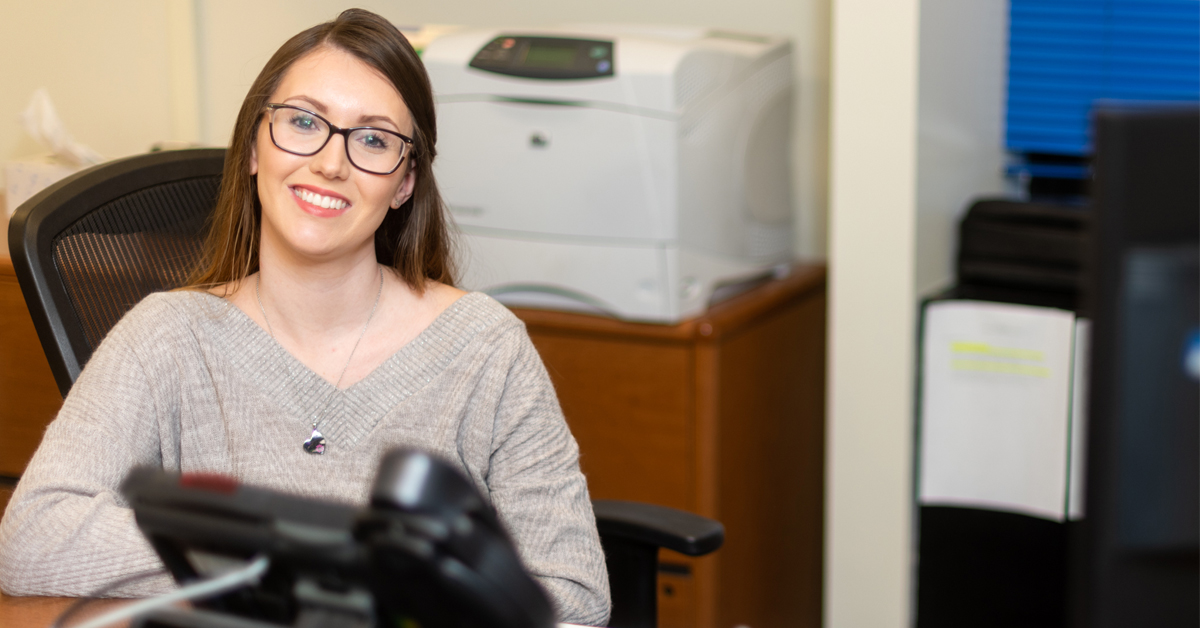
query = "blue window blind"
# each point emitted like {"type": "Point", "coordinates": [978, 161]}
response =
{"type": "Point", "coordinates": [1064, 55]}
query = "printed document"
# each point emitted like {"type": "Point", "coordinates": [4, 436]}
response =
{"type": "Point", "coordinates": [995, 407]}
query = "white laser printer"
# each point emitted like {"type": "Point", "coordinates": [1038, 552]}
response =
{"type": "Point", "coordinates": [624, 170]}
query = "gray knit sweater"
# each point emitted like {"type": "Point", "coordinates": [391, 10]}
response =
{"type": "Point", "coordinates": [188, 382]}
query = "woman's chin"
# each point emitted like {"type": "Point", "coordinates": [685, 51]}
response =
{"type": "Point", "coordinates": [314, 249]}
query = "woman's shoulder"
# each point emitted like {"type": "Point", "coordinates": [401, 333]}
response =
{"type": "Point", "coordinates": [480, 313]}
{"type": "Point", "coordinates": [475, 327]}
{"type": "Point", "coordinates": [167, 313]}
{"type": "Point", "coordinates": [157, 332]}
{"type": "Point", "coordinates": [183, 304]}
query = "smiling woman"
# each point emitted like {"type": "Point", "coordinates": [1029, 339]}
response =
{"type": "Point", "coordinates": [321, 330]}
{"type": "Point", "coordinates": [302, 163]}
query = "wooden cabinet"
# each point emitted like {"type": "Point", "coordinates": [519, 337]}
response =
{"type": "Point", "coordinates": [29, 397]}
{"type": "Point", "coordinates": [722, 415]}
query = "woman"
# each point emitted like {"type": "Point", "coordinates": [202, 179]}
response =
{"type": "Point", "coordinates": [322, 330]}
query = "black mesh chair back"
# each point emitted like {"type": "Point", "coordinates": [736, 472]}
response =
{"type": "Point", "coordinates": [88, 248]}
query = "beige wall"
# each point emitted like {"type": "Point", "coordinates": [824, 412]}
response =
{"type": "Point", "coordinates": [106, 67]}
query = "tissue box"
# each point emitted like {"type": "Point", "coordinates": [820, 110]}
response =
{"type": "Point", "coordinates": [29, 176]}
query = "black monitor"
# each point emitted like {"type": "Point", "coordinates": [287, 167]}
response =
{"type": "Point", "coordinates": [1137, 561]}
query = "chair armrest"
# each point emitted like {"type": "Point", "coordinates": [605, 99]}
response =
{"type": "Point", "coordinates": [658, 526]}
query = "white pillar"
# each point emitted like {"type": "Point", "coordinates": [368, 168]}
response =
{"type": "Point", "coordinates": [873, 168]}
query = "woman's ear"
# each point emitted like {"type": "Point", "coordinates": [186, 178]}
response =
{"type": "Point", "coordinates": [404, 192]}
{"type": "Point", "coordinates": [253, 160]}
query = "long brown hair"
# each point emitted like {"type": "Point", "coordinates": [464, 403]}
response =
{"type": "Point", "coordinates": [414, 239]}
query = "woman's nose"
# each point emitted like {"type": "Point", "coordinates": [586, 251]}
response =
{"type": "Point", "coordinates": [331, 161]}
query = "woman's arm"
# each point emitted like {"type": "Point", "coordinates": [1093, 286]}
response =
{"type": "Point", "coordinates": [67, 530]}
{"type": "Point", "coordinates": [541, 495]}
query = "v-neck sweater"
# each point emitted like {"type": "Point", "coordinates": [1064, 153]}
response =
{"type": "Point", "coordinates": [187, 382]}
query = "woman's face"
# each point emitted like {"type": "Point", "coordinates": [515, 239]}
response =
{"type": "Point", "coordinates": [308, 228]}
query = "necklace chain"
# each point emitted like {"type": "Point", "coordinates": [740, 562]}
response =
{"type": "Point", "coordinates": [320, 415]}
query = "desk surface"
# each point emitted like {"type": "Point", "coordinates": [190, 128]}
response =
{"type": "Point", "coordinates": [39, 612]}
{"type": "Point", "coordinates": [29, 398]}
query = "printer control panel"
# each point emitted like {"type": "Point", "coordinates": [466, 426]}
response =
{"type": "Point", "coordinates": [536, 57]}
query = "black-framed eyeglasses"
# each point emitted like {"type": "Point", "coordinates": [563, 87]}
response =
{"type": "Point", "coordinates": [301, 132]}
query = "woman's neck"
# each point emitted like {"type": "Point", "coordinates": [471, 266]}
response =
{"type": "Point", "coordinates": [308, 300]}
{"type": "Point", "coordinates": [319, 312]}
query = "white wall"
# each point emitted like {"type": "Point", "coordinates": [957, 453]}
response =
{"type": "Point", "coordinates": [960, 124]}
{"type": "Point", "coordinates": [916, 116]}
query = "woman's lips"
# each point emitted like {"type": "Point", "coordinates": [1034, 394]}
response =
{"type": "Point", "coordinates": [320, 202]}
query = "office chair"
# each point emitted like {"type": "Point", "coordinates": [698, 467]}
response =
{"type": "Point", "coordinates": [88, 248]}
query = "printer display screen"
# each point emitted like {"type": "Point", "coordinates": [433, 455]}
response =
{"type": "Point", "coordinates": [542, 55]}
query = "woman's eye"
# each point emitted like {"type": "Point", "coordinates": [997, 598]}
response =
{"type": "Point", "coordinates": [304, 122]}
{"type": "Point", "coordinates": [375, 141]}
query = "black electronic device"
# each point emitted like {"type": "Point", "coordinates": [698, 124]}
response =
{"type": "Point", "coordinates": [428, 551]}
{"type": "Point", "coordinates": [536, 57]}
{"type": "Point", "coordinates": [1026, 246]}
{"type": "Point", "coordinates": [1137, 561]}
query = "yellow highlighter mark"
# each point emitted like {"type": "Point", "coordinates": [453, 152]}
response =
{"type": "Point", "coordinates": [991, 366]}
{"type": "Point", "coordinates": [981, 356]}
{"type": "Point", "coordinates": [983, 348]}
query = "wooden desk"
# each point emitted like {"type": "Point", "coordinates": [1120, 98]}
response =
{"type": "Point", "coordinates": [722, 415]}
{"type": "Point", "coordinates": [29, 397]}
{"type": "Point", "coordinates": [39, 612]}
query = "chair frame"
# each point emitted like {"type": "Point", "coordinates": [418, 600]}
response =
{"type": "Point", "coordinates": [39, 220]}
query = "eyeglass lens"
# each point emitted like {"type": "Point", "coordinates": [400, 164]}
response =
{"type": "Point", "coordinates": [300, 132]}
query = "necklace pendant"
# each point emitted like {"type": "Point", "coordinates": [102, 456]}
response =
{"type": "Point", "coordinates": [315, 444]}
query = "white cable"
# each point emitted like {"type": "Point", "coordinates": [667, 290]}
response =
{"type": "Point", "coordinates": [207, 588]}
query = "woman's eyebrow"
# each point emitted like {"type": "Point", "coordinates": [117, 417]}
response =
{"type": "Point", "coordinates": [321, 109]}
{"type": "Point", "coordinates": [313, 102]}
{"type": "Point", "coordinates": [376, 120]}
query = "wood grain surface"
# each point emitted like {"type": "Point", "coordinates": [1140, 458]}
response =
{"type": "Point", "coordinates": [40, 612]}
{"type": "Point", "coordinates": [722, 415]}
{"type": "Point", "coordinates": [29, 398]}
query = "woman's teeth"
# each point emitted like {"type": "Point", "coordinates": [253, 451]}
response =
{"type": "Point", "coordinates": [325, 202]}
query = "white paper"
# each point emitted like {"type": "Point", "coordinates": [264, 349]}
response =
{"type": "Point", "coordinates": [25, 178]}
{"type": "Point", "coordinates": [995, 400]}
{"type": "Point", "coordinates": [41, 122]}
{"type": "Point", "coordinates": [1079, 397]}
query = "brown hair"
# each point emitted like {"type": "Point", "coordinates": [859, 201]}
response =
{"type": "Point", "coordinates": [414, 239]}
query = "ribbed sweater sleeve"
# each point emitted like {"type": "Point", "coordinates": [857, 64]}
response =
{"type": "Point", "coordinates": [535, 485]}
{"type": "Point", "coordinates": [67, 530]}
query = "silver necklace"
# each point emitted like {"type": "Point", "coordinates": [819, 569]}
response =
{"type": "Point", "coordinates": [316, 441]}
